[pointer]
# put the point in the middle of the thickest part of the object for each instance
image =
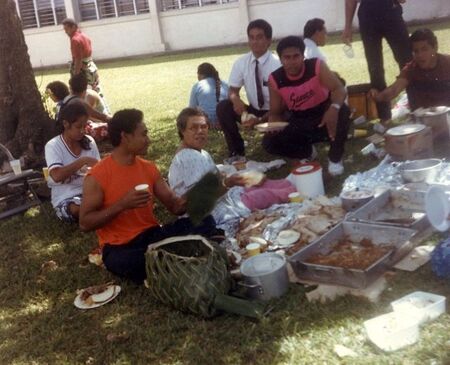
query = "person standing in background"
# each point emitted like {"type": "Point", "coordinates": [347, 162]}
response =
{"type": "Point", "coordinates": [81, 49]}
{"type": "Point", "coordinates": [379, 19]}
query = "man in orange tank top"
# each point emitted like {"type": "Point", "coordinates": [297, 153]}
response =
{"type": "Point", "coordinates": [120, 209]}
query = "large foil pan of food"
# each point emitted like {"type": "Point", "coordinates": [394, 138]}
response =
{"type": "Point", "coordinates": [351, 254]}
{"type": "Point", "coordinates": [397, 208]}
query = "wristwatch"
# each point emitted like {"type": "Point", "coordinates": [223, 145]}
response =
{"type": "Point", "coordinates": [336, 106]}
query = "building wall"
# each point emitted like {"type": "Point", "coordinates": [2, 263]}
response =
{"type": "Point", "coordinates": [212, 25]}
{"type": "Point", "coordinates": [208, 26]}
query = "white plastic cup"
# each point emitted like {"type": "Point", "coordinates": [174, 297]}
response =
{"type": "Point", "coordinates": [348, 50]}
{"type": "Point", "coordinates": [15, 165]}
{"type": "Point", "coordinates": [368, 149]}
{"type": "Point", "coordinates": [141, 187]}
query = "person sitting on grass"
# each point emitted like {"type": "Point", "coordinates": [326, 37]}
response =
{"type": "Point", "coordinates": [68, 155]}
{"type": "Point", "coordinates": [314, 98]}
{"type": "Point", "coordinates": [191, 162]}
{"type": "Point", "coordinates": [426, 78]}
{"type": "Point", "coordinates": [78, 85]}
{"type": "Point", "coordinates": [57, 91]}
{"type": "Point", "coordinates": [315, 36]}
{"type": "Point", "coordinates": [208, 91]}
{"type": "Point", "coordinates": [250, 71]}
{"type": "Point", "coordinates": [98, 112]}
{"type": "Point", "coordinates": [122, 215]}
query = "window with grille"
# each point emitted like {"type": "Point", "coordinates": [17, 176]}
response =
{"type": "Point", "coordinates": [41, 13]}
{"type": "Point", "coordinates": [183, 4]}
{"type": "Point", "coordinates": [100, 9]}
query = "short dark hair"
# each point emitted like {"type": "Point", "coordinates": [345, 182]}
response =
{"type": "Point", "coordinates": [59, 89]}
{"type": "Point", "coordinates": [70, 113]}
{"type": "Point", "coordinates": [70, 22]}
{"type": "Point", "coordinates": [184, 116]}
{"type": "Point", "coordinates": [290, 41]}
{"type": "Point", "coordinates": [260, 24]}
{"type": "Point", "coordinates": [125, 120]}
{"type": "Point", "coordinates": [78, 83]}
{"type": "Point", "coordinates": [312, 26]}
{"type": "Point", "coordinates": [424, 34]}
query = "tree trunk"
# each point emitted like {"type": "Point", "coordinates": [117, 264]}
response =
{"type": "Point", "coordinates": [25, 126]}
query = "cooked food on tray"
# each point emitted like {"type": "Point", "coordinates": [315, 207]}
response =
{"type": "Point", "coordinates": [351, 255]}
{"type": "Point", "coordinates": [254, 225]}
{"type": "Point", "coordinates": [310, 225]}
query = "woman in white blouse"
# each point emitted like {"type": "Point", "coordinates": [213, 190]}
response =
{"type": "Point", "coordinates": [191, 162]}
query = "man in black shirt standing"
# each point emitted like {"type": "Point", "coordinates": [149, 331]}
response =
{"type": "Point", "coordinates": [379, 19]}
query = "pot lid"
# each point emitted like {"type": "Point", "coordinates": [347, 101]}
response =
{"type": "Point", "coordinates": [307, 168]}
{"type": "Point", "coordinates": [405, 129]}
{"type": "Point", "coordinates": [435, 110]}
{"type": "Point", "coordinates": [262, 264]}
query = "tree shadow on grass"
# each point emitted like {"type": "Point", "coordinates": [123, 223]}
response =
{"type": "Point", "coordinates": [40, 324]}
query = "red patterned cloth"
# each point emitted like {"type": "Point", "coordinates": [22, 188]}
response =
{"type": "Point", "coordinates": [97, 130]}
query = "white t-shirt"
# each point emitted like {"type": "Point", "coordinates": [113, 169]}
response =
{"type": "Point", "coordinates": [58, 154]}
{"type": "Point", "coordinates": [313, 51]}
{"type": "Point", "coordinates": [189, 166]}
{"type": "Point", "coordinates": [243, 74]}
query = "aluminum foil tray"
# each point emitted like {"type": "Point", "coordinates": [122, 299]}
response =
{"type": "Point", "coordinates": [392, 208]}
{"type": "Point", "coordinates": [399, 238]}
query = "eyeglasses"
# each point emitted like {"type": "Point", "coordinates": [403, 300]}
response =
{"type": "Point", "coordinates": [197, 128]}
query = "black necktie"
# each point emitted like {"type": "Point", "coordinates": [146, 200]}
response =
{"type": "Point", "coordinates": [259, 92]}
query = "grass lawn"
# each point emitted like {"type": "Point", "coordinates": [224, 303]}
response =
{"type": "Point", "coordinates": [40, 325]}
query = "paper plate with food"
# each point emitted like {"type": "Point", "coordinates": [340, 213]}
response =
{"type": "Point", "coordinates": [287, 237]}
{"type": "Point", "coordinates": [271, 127]}
{"type": "Point", "coordinates": [96, 296]}
{"type": "Point", "coordinates": [252, 178]}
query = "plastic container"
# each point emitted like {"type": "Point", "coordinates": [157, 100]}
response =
{"type": "Point", "coordinates": [392, 331]}
{"type": "Point", "coordinates": [421, 305]}
{"type": "Point", "coordinates": [437, 206]}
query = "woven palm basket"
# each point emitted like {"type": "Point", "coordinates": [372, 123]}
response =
{"type": "Point", "coordinates": [187, 273]}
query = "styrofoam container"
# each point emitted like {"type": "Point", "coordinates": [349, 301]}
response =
{"type": "Point", "coordinates": [392, 331]}
{"type": "Point", "coordinates": [422, 305]}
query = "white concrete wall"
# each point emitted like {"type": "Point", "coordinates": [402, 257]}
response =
{"type": "Point", "coordinates": [111, 38]}
{"type": "Point", "coordinates": [212, 25]}
{"type": "Point", "coordinates": [208, 26]}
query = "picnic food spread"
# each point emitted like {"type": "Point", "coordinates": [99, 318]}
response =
{"type": "Point", "coordinates": [351, 255]}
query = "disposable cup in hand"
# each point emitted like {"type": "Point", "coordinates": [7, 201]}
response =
{"type": "Point", "coordinates": [45, 172]}
{"type": "Point", "coordinates": [348, 50]}
{"type": "Point", "coordinates": [15, 165]}
{"type": "Point", "coordinates": [141, 187]}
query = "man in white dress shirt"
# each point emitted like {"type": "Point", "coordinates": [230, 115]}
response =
{"type": "Point", "coordinates": [315, 36]}
{"type": "Point", "coordinates": [252, 72]}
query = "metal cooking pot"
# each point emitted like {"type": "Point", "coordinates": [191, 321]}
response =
{"type": "Point", "coordinates": [438, 118]}
{"type": "Point", "coordinates": [420, 170]}
{"type": "Point", "coordinates": [265, 276]}
{"type": "Point", "coordinates": [354, 199]}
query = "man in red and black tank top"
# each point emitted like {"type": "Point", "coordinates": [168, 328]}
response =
{"type": "Point", "coordinates": [314, 99]}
